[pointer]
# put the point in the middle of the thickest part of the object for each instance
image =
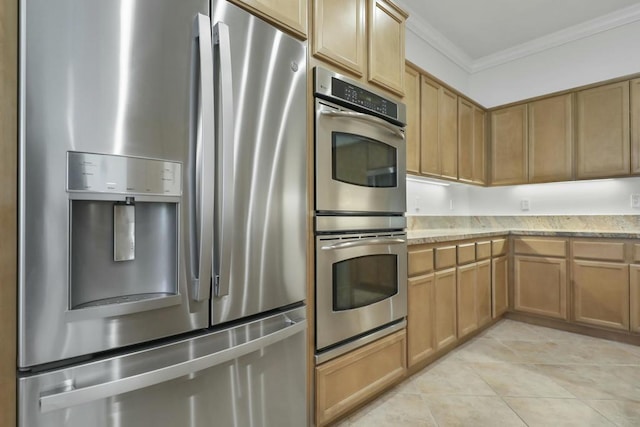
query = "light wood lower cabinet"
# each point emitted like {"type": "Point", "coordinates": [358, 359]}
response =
{"type": "Point", "coordinates": [349, 380]}
{"type": "Point", "coordinates": [540, 285]}
{"type": "Point", "coordinates": [467, 307]}
{"type": "Point", "coordinates": [634, 295]}
{"type": "Point", "coordinates": [500, 285]}
{"type": "Point", "coordinates": [445, 307]}
{"type": "Point", "coordinates": [483, 292]}
{"type": "Point", "coordinates": [601, 293]}
{"type": "Point", "coordinates": [420, 319]}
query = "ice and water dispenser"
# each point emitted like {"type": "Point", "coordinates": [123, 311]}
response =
{"type": "Point", "coordinates": [123, 223]}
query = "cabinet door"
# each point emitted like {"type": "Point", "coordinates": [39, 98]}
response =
{"type": "Point", "coordinates": [290, 14]}
{"type": "Point", "coordinates": [479, 147]}
{"type": "Point", "coordinates": [429, 150]}
{"type": "Point", "coordinates": [634, 293]}
{"type": "Point", "coordinates": [635, 126]}
{"type": "Point", "coordinates": [466, 120]}
{"type": "Point", "coordinates": [386, 45]}
{"type": "Point", "coordinates": [509, 145]}
{"type": "Point", "coordinates": [445, 307]}
{"type": "Point", "coordinates": [339, 33]}
{"type": "Point", "coordinates": [601, 293]}
{"type": "Point", "coordinates": [551, 139]}
{"type": "Point", "coordinates": [467, 306]}
{"type": "Point", "coordinates": [540, 286]}
{"type": "Point", "coordinates": [483, 292]}
{"type": "Point", "coordinates": [603, 131]}
{"type": "Point", "coordinates": [448, 133]}
{"type": "Point", "coordinates": [500, 285]}
{"type": "Point", "coordinates": [412, 132]}
{"type": "Point", "coordinates": [420, 319]}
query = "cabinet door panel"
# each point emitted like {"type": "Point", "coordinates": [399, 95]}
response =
{"type": "Point", "coordinates": [291, 14]}
{"type": "Point", "coordinates": [467, 310]}
{"type": "Point", "coordinates": [483, 292]}
{"type": "Point", "coordinates": [479, 147]}
{"type": "Point", "coordinates": [601, 293]}
{"type": "Point", "coordinates": [635, 297]}
{"type": "Point", "coordinates": [412, 132]}
{"type": "Point", "coordinates": [551, 139]}
{"type": "Point", "coordinates": [540, 286]}
{"type": "Point", "coordinates": [429, 118]}
{"type": "Point", "coordinates": [509, 145]}
{"type": "Point", "coordinates": [386, 45]}
{"type": "Point", "coordinates": [635, 126]}
{"type": "Point", "coordinates": [465, 140]}
{"type": "Point", "coordinates": [445, 307]}
{"type": "Point", "coordinates": [339, 33]}
{"type": "Point", "coordinates": [448, 133]}
{"type": "Point", "coordinates": [603, 131]}
{"type": "Point", "coordinates": [420, 319]}
{"type": "Point", "coordinates": [500, 285]}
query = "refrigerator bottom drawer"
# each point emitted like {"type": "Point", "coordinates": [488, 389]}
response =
{"type": "Point", "coordinates": [256, 377]}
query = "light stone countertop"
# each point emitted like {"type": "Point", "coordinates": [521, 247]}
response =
{"type": "Point", "coordinates": [436, 235]}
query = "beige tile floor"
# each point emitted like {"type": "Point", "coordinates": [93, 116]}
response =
{"type": "Point", "coordinates": [515, 374]}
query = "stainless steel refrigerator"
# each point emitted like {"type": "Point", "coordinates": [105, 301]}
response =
{"type": "Point", "coordinates": [162, 216]}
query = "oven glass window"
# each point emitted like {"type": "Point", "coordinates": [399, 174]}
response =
{"type": "Point", "coordinates": [362, 161]}
{"type": "Point", "coordinates": [364, 280]}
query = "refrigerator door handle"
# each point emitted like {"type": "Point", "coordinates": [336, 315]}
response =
{"type": "Point", "coordinates": [226, 164]}
{"type": "Point", "coordinates": [201, 230]}
{"type": "Point", "coordinates": [76, 396]}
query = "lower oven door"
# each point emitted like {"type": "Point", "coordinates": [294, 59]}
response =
{"type": "Point", "coordinates": [361, 284]}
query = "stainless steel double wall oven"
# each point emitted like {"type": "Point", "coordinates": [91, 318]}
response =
{"type": "Point", "coordinates": [360, 202]}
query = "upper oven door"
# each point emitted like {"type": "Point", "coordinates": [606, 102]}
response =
{"type": "Point", "coordinates": [361, 284]}
{"type": "Point", "coordinates": [360, 162]}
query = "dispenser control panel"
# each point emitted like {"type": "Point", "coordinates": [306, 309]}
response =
{"type": "Point", "coordinates": [104, 173]}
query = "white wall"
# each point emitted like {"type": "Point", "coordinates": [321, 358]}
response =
{"type": "Point", "coordinates": [597, 197]}
{"type": "Point", "coordinates": [606, 55]}
{"type": "Point", "coordinates": [435, 63]}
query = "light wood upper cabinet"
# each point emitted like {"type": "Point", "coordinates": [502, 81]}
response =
{"type": "Point", "coordinates": [448, 133]}
{"type": "Point", "coordinates": [465, 140]}
{"type": "Point", "coordinates": [289, 14]}
{"type": "Point", "coordinates": [339, 33]}
{"type": "Point", "coordinates": [438, 130]}
{"type": "Point", "coordinates": [551, 139]}
{"type": "Point", "coordinates": [420, 318]}
{"type": "Point", "coordinates": [412, 132]}
{"type": "Point", "coordinates": [509, 145]}
{"type": "Point", "coordinates": [479, 147]}
{"type": "Point", "coordinates": [429, 147]}
{"type": "Point", "coordinates": [386, 26]}
{"type": "Point", "coordinates": [635, 126]}
{"type": "Point", "coordinates": [603, 148]}
{"type": "Point", "coordinates": [471, 142]}
{"type": "Point", "coordinates": [601, 293]}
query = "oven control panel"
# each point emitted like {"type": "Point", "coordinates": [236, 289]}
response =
{"type": "Point", "coordinates": [342, 90]}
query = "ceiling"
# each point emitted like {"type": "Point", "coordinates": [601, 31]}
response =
{"type": "Point", "coordinates": [474, 32]}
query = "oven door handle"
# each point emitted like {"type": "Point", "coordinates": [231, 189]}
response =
{"type": "Point", "coordinates": [367, 118]}
{"type": "Point", "coordinates": [363, 242]}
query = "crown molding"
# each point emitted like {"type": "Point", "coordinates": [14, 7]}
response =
{"type": "Point", "coordinates": [438, 41]}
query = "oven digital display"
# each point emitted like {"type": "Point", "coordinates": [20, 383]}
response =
{"type": "Point", "coordinates": [364, 98]}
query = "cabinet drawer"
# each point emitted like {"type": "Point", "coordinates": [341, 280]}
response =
{"type": "Point", "coordinates": [636, 253]}
{"type": "Point", "coordinates": [483, 250]}
{"type": "Point", "coordinates": [420, 261]}
{"type": "Point", "coordinates": [349, 380]}
{"type": "Point", "coordinates": [466, 253]}
{"type": "Point", "coordinates": [610, 251]}
{"type": "Point", "coordinates": [536, 246]}
{"type": "Point", "coordinates": [499, 247]}
{"type": "Point", "coordinates": [445, 257]}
